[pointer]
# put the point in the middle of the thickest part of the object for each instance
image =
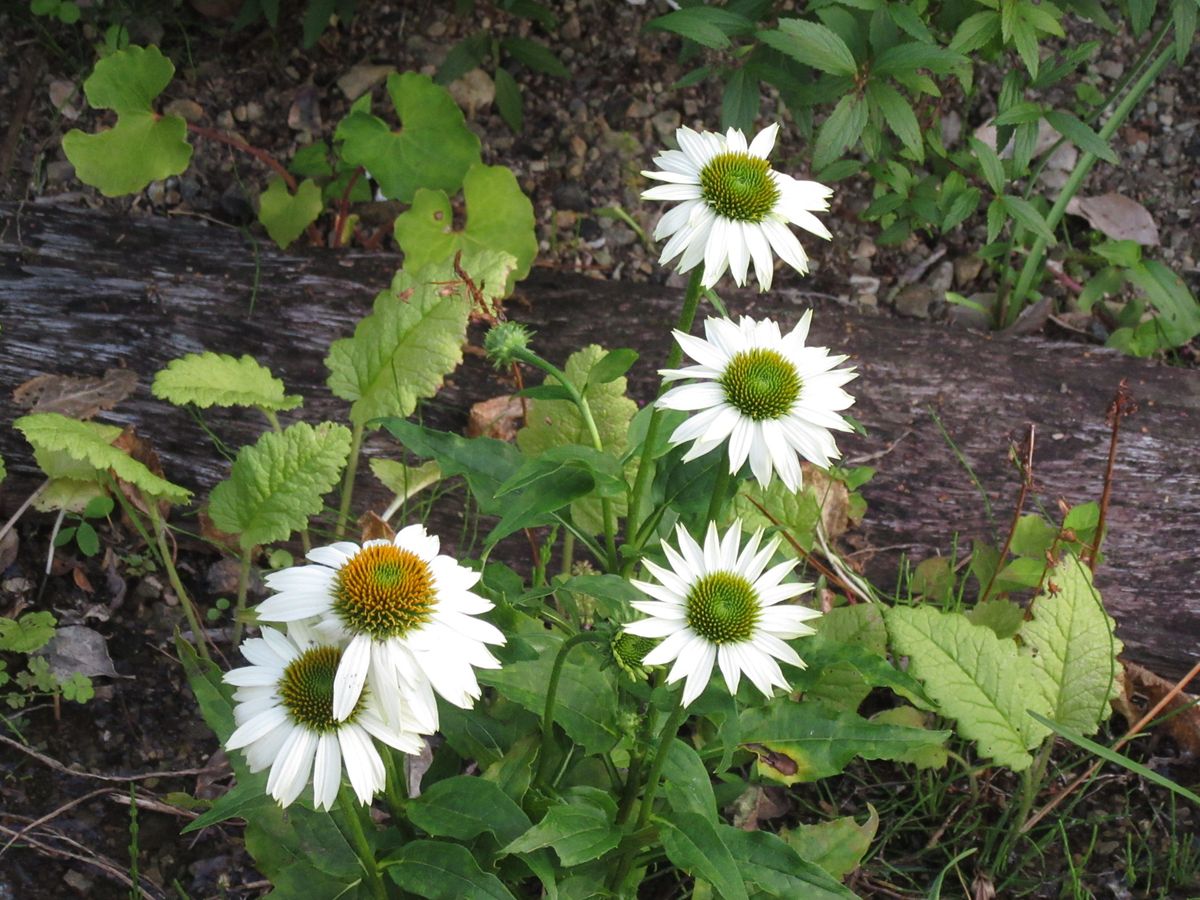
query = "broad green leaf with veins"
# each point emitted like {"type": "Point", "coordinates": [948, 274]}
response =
{"type": "Point", "coordinates": [499, 217]}
{"type": "Point", "coordinates": [1073, 648]}
{"type": "Point", "coordinates": [143, 146]}
{"type": "Point", "coordinates": [978, 679]}
{"type": "Point", "coordinates": [553, 423]}
{"type": "Point", "coordinates": [286, 215]}
{"type": "Point", "coordinates": [218, 379]}
{"type": "Point", "coordinates": [277, 483]}
{"type": "Point", "coordinates": [90, 445]}
{"type": "Point", "coordinates": [434, 148]}
{"type": "Point", "coordinates": [411, 341]}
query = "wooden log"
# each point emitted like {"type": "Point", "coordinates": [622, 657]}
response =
{"type": "Point", "coordinates": [81, 292]}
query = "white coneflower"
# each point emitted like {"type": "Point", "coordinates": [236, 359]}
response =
{"type": "Point", "coordinates": [285, 720]}
{"type": "Point", "coordinates": [407, 614]}
{"type": "Point", "coordinates": [734, 208]}
{"type": "Point", "coordinates": [766, 393]}
{"type": "Point", "coordinates": [715, 604]}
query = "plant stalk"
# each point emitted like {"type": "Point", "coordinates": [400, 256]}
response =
{"type": "Point", "coordinates": [243, 585]}
{"type": "Point", "coordinates": [560, 660]}
{"type": "Point", "coordinates": [356, 439]}
{"type": "Point", "coordinates": [349, 820]}
{"type": "Point", "coordinates": [159, 528]}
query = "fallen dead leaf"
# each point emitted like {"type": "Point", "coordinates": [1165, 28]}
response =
{"type": "Point", "coordinates": [986, 133]}
{"type": "Point", "coordinates": [375, 528]}
{"type": "Point", "coordinates": [361, 78]}
{"type": "Point", "coordinates": [833, 498]}
{"type": "Point", "coordinates": [128, 441]}
{"type": "Point", "coordinates": [81, 580]}
{"type": "Point", "coordinates": [758, 803]}
{"type": "Point", "coordinates": [79, 397]}
{"type": "Point", "coordinates": [473, 91]}
{"type": "Point", "coordinates": [305, 111]}
{"type": "Point", "coordinates": [77, 648]}
{"type": "Point", "coordinates": [499, 418]}
{"type": "Point", "coordinates": [1180, 719]}
{"type": "Point", "coordinates": [1117, 216]}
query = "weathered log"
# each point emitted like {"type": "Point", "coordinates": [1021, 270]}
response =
{"type": "Point", "coordinates": [81, 292]}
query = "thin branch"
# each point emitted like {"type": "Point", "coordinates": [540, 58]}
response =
{"type": "Point", "coordinates": [1122, 405]}
{"type": "Point", "coordinates": [1026, 487]}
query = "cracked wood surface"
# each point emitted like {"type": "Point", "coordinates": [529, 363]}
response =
{"type": "Point", "coordinates": [81, 292]}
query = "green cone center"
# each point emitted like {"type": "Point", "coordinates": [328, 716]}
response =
{"type": "Point", "coordinates": [739, 186]}
{"type": "Point", "coordinates": [761, 384]}
{"type": "Point", "coordinates": [384, 591]}
{"type": "Point", "coordinates": [307, 690]}
{"type": "Point", "coordinates": [723, 608]}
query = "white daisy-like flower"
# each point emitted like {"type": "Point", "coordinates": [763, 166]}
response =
{"type": "Point", "coordinates": [285, 720]}
{"type": "Point", "coordinates": [408, 616]}
{"type": "Point", "coordinates": [766, 393]}
{"type": "Point", "coordinates": [734, 208]}
{"type": "Point", "coordinates": [716, 604]}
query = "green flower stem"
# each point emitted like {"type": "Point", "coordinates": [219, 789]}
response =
{"type": "Point", "coordinates": [645, 472]}
{"type": "Point", "coordinates": [159, 528]}
{"type": "Point", "coordinates": [665, 737]}
{"type": "Point", "coordinates": [585, 412]}
{"type": "Point", "coordinates": [349, 816]}
{"type": "Point", "coordinates": [356, 439]}
{"type": "Point", "coordinates": [395, 787]}
{"type": "Point", "coordinates": [552, 695]}
{"type": "Point", "coordinates": [717, 501]}
{"type": "Point", "coordinates": [568, 551]}
{"type": "Point", "coordinates": [243, 585]}
{"type": "Point", "coordinates": [1037, 253]}
{"type": "Point", "coordinates": [272, 419]}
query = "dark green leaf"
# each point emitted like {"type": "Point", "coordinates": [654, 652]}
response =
{"type": "Point", "coordinates": [686, 783]}
{"type": "Point", "coordinates": [1024, 111]}
{"type": "Point", "coordinates": [87, 539]}
{"type": "Point", "coordinates": [612, 366]}
{"type": "Point", "coordinates": [316, 18]}
{"type": "Point", "coordinates": [1028, 216]}
{"type": "Point", "coordinates": [463, 57]}
{"type": "Point", "coordinates": [813, 44]}
{"type": "Point", "coordinates": [707, 25]}
{"type": "Point", "coordinates": [766, 861]}
{"type": "Point", "coordinates": [975, 31]}
{"type": "Point", "coordinates": [739, 103]}
{"type": "Point", "coordinates": [899, 116]}
{"type": "Point", "coordinates": [841, 130]}
{"type": "Point", "coordinates": [693, 843]}
{"type": "Point", "coordinates": [439, 870]}
{"type": "Point", "coordinates": [910, 56]}
{"type": "Point", "coordinates": [465, 807]}
{"type": "Point", "coordinates": [579, 829]}
{"type": "Point", "coordinates": [1078, 133]}
{"type": "Point", "coordinates": [508, 100]}
{"type": "Point", "coordinates": [535, 55]}
{"type": "Point", "coordinates": [990, 163]}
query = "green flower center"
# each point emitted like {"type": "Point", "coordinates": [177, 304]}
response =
{"type": "Point", "coordinates": [628, 651]}
{"type": "Point", "coordinates": [723, 608]}
{"type": "Point", "coordinates": [384, 591]}
{"type": "Point", "coordinates": [739, 186]}
{"type": "Point", "coordinates": [307, 690]}
{"type": "Point", "coordinates": [761, 384]}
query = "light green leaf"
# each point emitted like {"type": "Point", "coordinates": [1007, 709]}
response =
{"type": "Point", "coordinates": [842, 129]}
{"type": "Point", "coordinates": [976, 678]}
{"type": "Point", "coordinates": [838, 845]}
{"type": "Point", "coordinates": [499, 218]}
{"type": "Point", "coordinates": [1026, 214]}
{"type": "Point", "coordinates": [405, 481]}
{"type": "Point", "coordinates": [142, 147]}
{"type": "Point", "coordinates": [1001, 615]}
{"type": "Point", "coordinates": [693, 843]}
{"type": "Point", "coordinates": [402, 351]}
{"type": "Point", "coordinates": [766, 861]}
{"type": "Point", "coordinates": [905, 58]}
{"type": "Point", "coordinates": [557, 423]}
{"type": "Point", "coordinates": [1178, 311]}
{"type": "Point", "coordinates": [899, 116]}
{"type": "Point", "coordinates": [90, 446]}
{"type": "Point", "coordinates": [800, 742]}
{"type": "Point", "coordinates": [1079, 134]}
{"type": "Point", "coordinates": [686, 783]}
{"type": "Point", "coordinates": [29, 633]}
{"type": "Point", "coordinates": [975, 31]}
{"type": "Point", "coordinates": [440, 870]}
{"type": "Point", "coordinates": [286, 215]}
{"type": "Point", "coordinates": [579, 829]}
{"type": "Point", "coordinates": [813, 44]}
{"type": "Point", "coordinates": [1074, 649]}
{"type": "Point", "coordinates": [277, 484]}
{"type": "Point", "coordinates": [931, 756]}
{"type": "Point", "coordinates": [218, 379]}
{"type": "Point", "coordinates": [433, 149]}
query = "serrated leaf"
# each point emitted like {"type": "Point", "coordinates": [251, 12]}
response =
{"type": "Point", "coordinates": [842, 129]}
{"type": "Point", "coordinates": [838, 845]}
{"type": "Point", "coordinates": [976, 678]}
{"type": "Point", "coordinates": [142, 147]}
{"type": "Point", "coordinates": [580, 829]}
{"type": "Point", "coordinates": [931, 756]}
{"type": "Point", "coordinates": [812, 44]}
{"type": "Point", "coordinates": [90, 446]}
{"type": "Point", "coordinates": [707, 25]}
{"type": "Point", "coordinates": [218, 379]}
{"type": "Point", "coordinates": [286, 215]}
{"type": "Point", "coordinates": [29, 633]}
{"type": "Point", "coordinates": [1078, 133]}
{"type": "Point", "coordinates": [557, 423]}
{"type": "Point", "coordinates": [1027, 215]}
{"type": "Point", "coordinates": [1001, 615]}
{"type": "Point", "coordinates": [911, 56]}
{"type": "Point", "coordinates": [402, 351]}
{"type": "Point", "coordinates": [693, 843]}
{"type": "Point", "coordinates": [433, 149]}
{"type": "Point", "coordinates": [277, 484]}
{"type": "Point", "coordinates": [1074, 648]}
{"type": "Point", "coordinates": [740, 101]}
{"type": "Point", "coordinates": [802, 742]}
{"type": "Point", "coordinates": [899, 116]}
{"type": "Point", "coordinates": [499, 218]}
{"type": "Point", "coordinates": [990, 163]}
{"type": "Point", "coordinates": [1178, 311]}
{"type": "Point", "coordinates": [975, 31]}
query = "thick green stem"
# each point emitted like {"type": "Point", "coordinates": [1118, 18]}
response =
{"type": "Point", "coordinates": [160, 540]}
{"type": "Point", "coordinates": [645, 472]}
{"type": "Point", "coordinates": [552, 695]}
{"type": "Point", "coordinates": [568, 552]}
{"type": "Point", "coordinates": [243, 586]}
{"type": "Point", "coordinates": [1037, 253]}
{"type": "Point", "coordinates": [349, 818]}
{"type": "Point", "coordinates": [395, 787]}
{"type": "Point", "coordinates": [356, 439]}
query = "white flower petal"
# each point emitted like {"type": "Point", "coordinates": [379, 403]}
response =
{"type": "Point", "coordinates": [327, 771]}
{"type": "Point", "coordinates": [351, 676]}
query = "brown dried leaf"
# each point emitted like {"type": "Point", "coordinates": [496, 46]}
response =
{"type": "Point", "coordinates": [211, 532]}
{"type": "Point", "coordinates": [499, 418]}
{"type": "Point", "coordinates": [758, 803]}
{"type": "Point", "coordinates": [9, 545]}
{"type": "Point", "coordinates": [1117, 217]}
{"type": "Point", "coordinates": [128, 441]}
{"type": "Point", "coordinates": [81, 580]}
{"type": "Point", "coordinates": [375, 528]}
{"type": "Point", "coordinates": [361, 78]}
{"type": "Point", "coordinates": [79, 397]}
{"type": "Point", "coordinates": [1180, 719]}
{"type": "Point", "coordinates": [833, 498]}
